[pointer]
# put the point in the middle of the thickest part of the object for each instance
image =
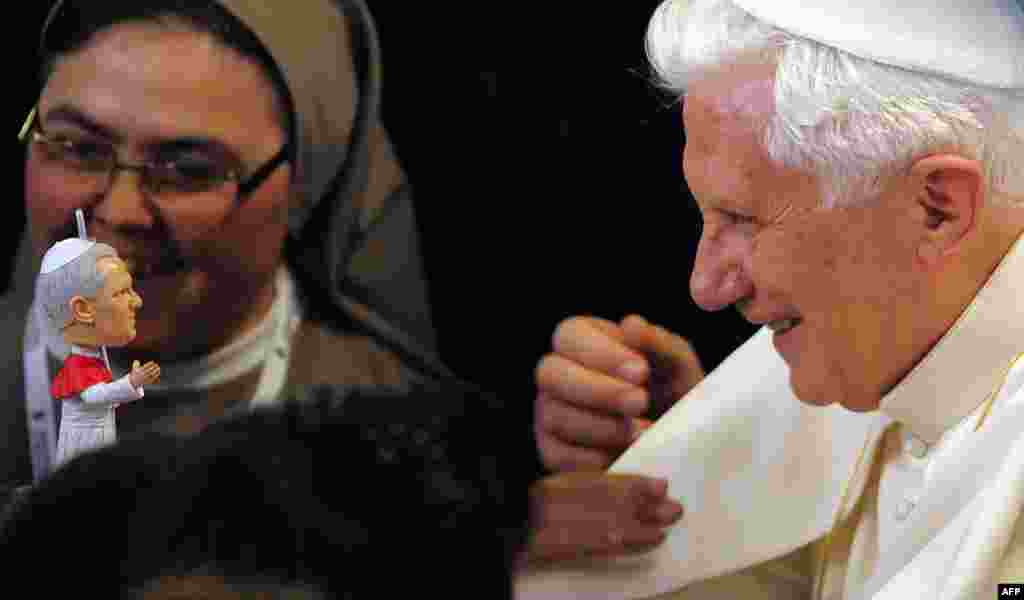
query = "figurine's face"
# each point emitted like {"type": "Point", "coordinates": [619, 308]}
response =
{"type": "Point", "coordinates": [112, 311]}
{"type": "Point", "coordinates": [166, 93]}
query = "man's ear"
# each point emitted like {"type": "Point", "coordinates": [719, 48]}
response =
{"type": "Point", "coordinates": [950, 191]}
{"type": "Point", "coordinates": [82, 310]}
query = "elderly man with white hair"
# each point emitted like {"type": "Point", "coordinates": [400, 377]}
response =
{"type": "Point", "coordinates": [86, 293]}
{"type": "Point", "coordinates": [859, 168]}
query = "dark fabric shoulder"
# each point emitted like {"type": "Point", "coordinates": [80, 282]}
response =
{"type": "Point", "coordinates": [324, 353]}
{"type": "Point", "coordinates": [15, 460]}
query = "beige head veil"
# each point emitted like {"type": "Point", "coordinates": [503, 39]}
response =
{"type": "Point", "coordinates": [327, 52]}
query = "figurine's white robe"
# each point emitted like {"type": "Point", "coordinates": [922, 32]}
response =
{"type": "Point", "coordinates": [87, 419]}
{"type": "Point", "coordinates": [762, 475]}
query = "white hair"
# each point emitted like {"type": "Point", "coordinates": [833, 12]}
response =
{"type": "Point", "coordinates": [79, 277]}
{"type": "Point", "coordinates": [852, 122]}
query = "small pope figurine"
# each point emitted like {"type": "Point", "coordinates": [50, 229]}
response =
{"type": "Point", "coordinates": [86, 292]}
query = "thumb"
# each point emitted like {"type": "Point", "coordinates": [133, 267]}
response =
{"type": "Point", "coordinates": [640, 488]}
{"type": "Point", "coordinates": [669, 353]}
{"type": "Point", "coordinates": [639, 427]}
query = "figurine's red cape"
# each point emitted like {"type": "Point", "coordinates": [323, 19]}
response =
{"type": "Point", "coordinates": [78, 373]}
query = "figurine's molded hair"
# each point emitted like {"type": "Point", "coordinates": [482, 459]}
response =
{"type": "Point", "coordinates": [69, 270]}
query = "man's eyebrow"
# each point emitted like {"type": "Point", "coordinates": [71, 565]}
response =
{"type": "Point", "coordinates": [191, 144]}
{"type": "Point", "coordinates": [67, 113]}
{"type": "Point", "coordinates": [729, 204]}
{"type": "Point", "coordinates": [71, 115]}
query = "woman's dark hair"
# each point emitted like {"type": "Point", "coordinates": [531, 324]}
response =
{"type": "Point", "coordinates": [78, 21]}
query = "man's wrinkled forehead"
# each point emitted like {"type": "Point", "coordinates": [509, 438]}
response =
{"type": "Point", "coordinates": [741, 89]}
{"type": "Point", "coordinates": [724, 116]}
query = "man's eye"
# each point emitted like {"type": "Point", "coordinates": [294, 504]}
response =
{"type": "Point", "coordinates": [744, 219]}
{"type": "Point", "coordinates": [737, 218]}
{"type": "Point", "coordinates": [89, 149]}
{"type": "Point", "coordinates": [189, 174]}
{"type": "Point", "coordinates": [81, 152]}
{"type": "Point", "coordinates": [198, 169]}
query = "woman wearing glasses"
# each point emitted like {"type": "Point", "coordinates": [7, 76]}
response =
{"type": "Point", "coordinates": [232, 154]}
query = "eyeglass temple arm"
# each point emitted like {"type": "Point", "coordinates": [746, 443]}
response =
{"type": "Point", "coordinates": [257, 178]}
{"type": "Point", "coordinates": [27, 125]}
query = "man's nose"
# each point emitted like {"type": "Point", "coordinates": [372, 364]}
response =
{"type": "Point", "coordinates": [124, 203]}
{"type": "Point", "coordinates": [720, 275]}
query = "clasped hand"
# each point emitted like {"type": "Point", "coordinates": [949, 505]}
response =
{"type": "Point", "coordinates": [147, 374]}
{"type": "Point", "coordinates": [596, 391]}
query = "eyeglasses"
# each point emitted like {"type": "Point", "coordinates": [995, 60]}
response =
{"type": "Point", "coordinates": [95, 163]}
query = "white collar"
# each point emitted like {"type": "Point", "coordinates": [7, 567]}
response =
{"type": "Point", "coordinates": [963, 368]}
{"type": "Point", "coordinates": [243, 355]}
{"type": "Point", "coordinates": [82, 350]}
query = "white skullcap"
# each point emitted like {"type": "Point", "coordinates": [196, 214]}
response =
{"type": "Point", "coordinates": [64, 252]}
{"type": "Point", "coordinates": [974, 41]}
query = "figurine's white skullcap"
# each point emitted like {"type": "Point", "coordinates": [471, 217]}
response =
{"type": "Point", "coordinates": [973, 41]}
{"type": "Point", "coordinates": [64, 252]}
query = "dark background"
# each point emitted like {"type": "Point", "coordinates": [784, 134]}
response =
{"type": "Point", "coordinates": [547, 169]}
{"type": "Point", "coordinates": [547, 174]}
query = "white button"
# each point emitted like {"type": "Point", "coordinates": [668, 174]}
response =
{"type": "Point", "coordinates": [916, 446]}
{"type": "Point", "coordinates": [905, 508]}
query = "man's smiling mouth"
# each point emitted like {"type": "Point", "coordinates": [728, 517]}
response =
{"type": "Point", "coordinates": [783, 325]}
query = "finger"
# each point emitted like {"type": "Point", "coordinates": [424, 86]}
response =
{"type": "Point", "coordinates": [666, 351]}
{"type": "Point", "coordinates": [583, 428]}
{"type": "Point", "coordinates": [633, 542]}
{"type": "Point", "coordinates": [560, 457]}
{"type": "Point", "coordinates": [569, 382]}
{"type": "Point", "coordinates": [651, 502]}
{"type": "Point", "coordinates": [656, 340]}
{"type": "Point", "coordinates": [639, 427]}
{"type": "Point", "coordinates": [638, 488]}
{"type": "Point", "coordinates": [600, 345]}
{"type": "Point", "coordinates": [608, 327]}
{"type": "Point", "coordinates": [660, 514]}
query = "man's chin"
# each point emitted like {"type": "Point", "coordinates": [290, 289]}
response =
{"type": "Point", "coordinates": [813, 395]}
{"type": "Point", "coordinates": [138, 343]}
{"type": "Point", "coordinates": [150, 340]}
{"type": "Point", "coordinates": [813, 400]}
{"type": "Point", "coordinates": [853, 400]}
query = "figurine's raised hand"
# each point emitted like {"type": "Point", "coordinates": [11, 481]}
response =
{"type": "Point", "coordinates": [145, 375]}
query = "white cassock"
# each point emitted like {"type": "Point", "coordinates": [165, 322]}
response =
{"type": "Point", "coordinates": [923, 498]}
{"type": "Point", "coordinates": [87, 419]}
